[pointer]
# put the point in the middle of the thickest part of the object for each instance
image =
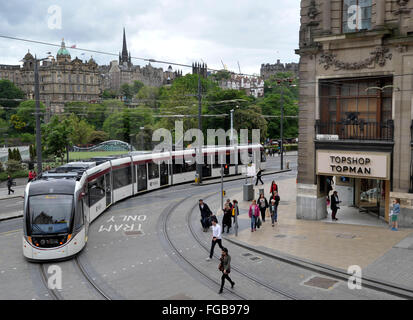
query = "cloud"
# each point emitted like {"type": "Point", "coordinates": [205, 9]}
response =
{"type": "Point", "coordinates": [184, 31]}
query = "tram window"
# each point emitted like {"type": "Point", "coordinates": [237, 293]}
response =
{"type": "Point", "coordinates": [96, 191]}
{"type": "Point", "coordinates": [153, 170]}
{"type": "Point", "coordinates": [122, 177]}
{"type": "Point", "coordinates": [189, 166]}
{"type": "Point", "coordinates": [216, 162]}
{"type": "Point", "coordinates": [79, 216]}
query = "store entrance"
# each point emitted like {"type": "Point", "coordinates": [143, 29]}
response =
{"type": "Point", "coordinates": [363, 201]}
{"type": "Point", "coordinates": [371, 196]}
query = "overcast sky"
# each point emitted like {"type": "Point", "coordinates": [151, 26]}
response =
{"type": "Point", "coordinates": [249, 31]}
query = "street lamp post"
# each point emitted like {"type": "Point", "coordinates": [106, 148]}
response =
{"type": "Point", "coordinates": [37, 112]}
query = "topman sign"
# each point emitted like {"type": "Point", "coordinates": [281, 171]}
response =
{"type": "Point", "coordinates": [370, 165]}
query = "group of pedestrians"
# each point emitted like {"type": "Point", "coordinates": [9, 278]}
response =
{"type": "Point", "coordinates": [260, 208]}
{"type": "Point", "coordinates": [208, 217]}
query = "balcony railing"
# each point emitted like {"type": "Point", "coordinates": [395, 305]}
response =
{"type": "Point", "coordinates": [357, 129]}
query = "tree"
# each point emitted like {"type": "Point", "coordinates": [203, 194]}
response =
{"type": "Point", "coordinates": [97, 137]}
{"type": "Point", "coordinates": [136, 86]}
{"type": "Point", "coordinates": [250, 118]}
{"type": "Point", "coordinates": [26, 113]}
{"type": "Point", "coordinates": [109, 94]}
{"type": "Point", "coordinates": [148, 96]}
{"type": "Point", "coordinates": [80, 130]}
{"type": "Point", "coordinates": [126, 91]}
{"type": "Point", "coordinates": [9, 95]}
{"type": "Point", "coordinates": [56, 136]}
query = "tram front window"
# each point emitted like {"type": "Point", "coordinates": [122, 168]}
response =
{"type": "Point", "coordinates": [50, 214]}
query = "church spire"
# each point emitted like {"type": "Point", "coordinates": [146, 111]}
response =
{"type": "Point", "coordinates": [125, 55]}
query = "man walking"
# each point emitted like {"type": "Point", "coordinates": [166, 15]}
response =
{"type": "Point", "coordinates": [216, 238]}
{"type": "Point", "coordinates": [9, 184]}
{"type": "Point", "coordinates": [205, 214]}
{"type": "Point", "coordinates": [225, 268]}
{"type": "Point", "coordinates": [334, 205]}
{"type": "Point", "coordinates": [259, 174]}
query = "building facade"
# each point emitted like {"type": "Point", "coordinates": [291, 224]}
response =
{"type": "Point", "coordinates": [61, 79]}
{"type": "Point", "coordinates": [268, 70]}
{"type": "Point", "coordinates": [356, 106]}
{"type": "Point", "coordinates": [123, 71]}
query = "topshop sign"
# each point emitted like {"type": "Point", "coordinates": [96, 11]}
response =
{"type": "Point", "coordinates": [371, 165]}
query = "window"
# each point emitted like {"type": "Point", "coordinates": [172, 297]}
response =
{"type": "Point", "coordinates": [356, 15]}
{"type": "Point", "coordinates": [122, 177]}
{"type": "Point", "coordinates": [153, 170]}
{"type": "Point", "coordinates": [96, 191]}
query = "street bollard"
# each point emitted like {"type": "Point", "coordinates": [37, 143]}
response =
{"type": "Point", "coordinates": [288, 165]}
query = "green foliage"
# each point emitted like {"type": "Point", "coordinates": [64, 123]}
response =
{"type": "Point", "coordinates": [80, 130]}
{"type": "Point", "coordinates": [16, 174]}
{"type": "Point", "coordinates": [13, 166]}
{"type": "Point", "coordinates": [149, 96]}
{"type": "Point", "coordinates": [221, 75]}
{"type": "Point", "coordinates": [1, 167]}
{"type": "Point", "coordinates": [56, 136]}
{"type": "Point", "coordinates": [109, 94]}
{"type": "Point", "coordinates": [126, 91]}
{"type": "Point", "coordinates": [26, 114]}
{"type": "Point", "coordinates": [9, 92]}
{"type": "Point", "coordinates": [97, 137]}
{"type": "Point", "coordinates": [122, 125]}
{"type": "Point", "coordinates": [32, 152]}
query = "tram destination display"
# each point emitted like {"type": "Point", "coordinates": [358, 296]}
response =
{"type": "Point", "coordinates": [353, 164]}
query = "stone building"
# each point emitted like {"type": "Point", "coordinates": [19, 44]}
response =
{"type": "Point", "coordinates": [268, 70]}
{"type": "Point", "coordinates": [123, 71]}
{"type": "Point", "coordinates": [356, 112]}
{"type": "Point", "coordinates": [61, 79]}
{"type": "Point", "coordinates": [252, 86]}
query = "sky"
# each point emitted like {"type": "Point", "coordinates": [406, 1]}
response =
{"type": "Point", "coordinates": [216, 32]}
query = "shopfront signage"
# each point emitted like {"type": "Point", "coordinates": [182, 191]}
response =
{"type": "Point", "coordinates": [354, 164]}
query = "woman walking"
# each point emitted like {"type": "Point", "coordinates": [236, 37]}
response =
{"type": "Point", "coordinates": [274, 187]}
{"type": "Point", "coordinates": [225, 268]}
{"type": "Point", "coordinates": [263, 204]}
{"type": "Point", "coordinates": [395, 215]}
{"type": "Point", "coordinates": [254, 213]}
{"type": "Point", "coordinates": [10, 184]}
{"type": "Point", "coordinates": [227, 219]}
{"type": "Point", "coordinates": [274, 208]}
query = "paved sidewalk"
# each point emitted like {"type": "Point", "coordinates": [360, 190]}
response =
{"type": "Point", "coordinates": [338, 245]}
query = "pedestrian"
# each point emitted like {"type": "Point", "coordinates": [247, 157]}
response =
{"type": "Point", "coordinates": [205, 215]}
{"type": "Point", "coordinates": [259, 174]}
{"type": "Point", "coordinates": [263, 204]}
{"type": "Point", "coordinates": [10, 184]}
{"type": "Point", "coordinates": [225, 268]}
{"type": "Point", "coordinates": [274, 208]}
{"type": "Point", "coordinates": [216, 238]}
{"type": "Point", "coordinates": [229, 203]}
{"type": "Point", "coordinates": [254, 213]}
{"type": "Point", "coordinates": [235, 210]}
{"type": "Point", "coordinates": [395, 214]}
{"type": "Point", "coordinates": [227, 218]}
{"type": "Point", "coordinates": [30, 176]}
{"type": "Point", "coordinates": [274, 187]}
{"type": "Point", "coordinates": [334, 205]}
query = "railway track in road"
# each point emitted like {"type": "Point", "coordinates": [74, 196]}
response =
{"type": "Point", "coordinates": [286, 294]}
{"type": "Point", "coordinates": [56, 294]}
{"type": "Point", "coordinates": [167, 240]}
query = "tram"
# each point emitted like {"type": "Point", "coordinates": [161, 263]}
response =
{"type": "Point", "coordinates": [60, 205]}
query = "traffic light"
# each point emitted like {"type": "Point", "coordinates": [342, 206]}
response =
{"type": "Point", "coordinates": [226, 169]}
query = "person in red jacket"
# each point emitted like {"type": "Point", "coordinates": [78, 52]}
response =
{"type": "Point", "coordinates": [30, 176]}
{"type": "Point", "coordinates": [274, 187]}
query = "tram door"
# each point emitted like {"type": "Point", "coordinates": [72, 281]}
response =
{"type": "Point", "coordinates": [108, 189]}
{"type": "Point", "coordinates": [142, 177]}
{"type": "Point", "coordinates": [164, 174]}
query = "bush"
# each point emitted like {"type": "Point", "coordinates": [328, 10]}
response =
{"type": "Point", "coordinates": [13, 166]}
{"type": "Point", "coordinates": [14, 175]}
{"type": "Point", "coordinates": [1, 168]}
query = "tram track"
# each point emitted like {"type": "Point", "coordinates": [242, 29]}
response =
{"type": "Point", "coordinates": [53, 293]}
{"type": "Point", "coordinates": [289, 295]}
{"type": "Point", "coordinates": [90, 280]}
{"type": "Point", "coordinates": [167, 239]}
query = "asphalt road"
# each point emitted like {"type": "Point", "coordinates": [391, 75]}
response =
{"type": "Point", "coordinates": [152, 247]}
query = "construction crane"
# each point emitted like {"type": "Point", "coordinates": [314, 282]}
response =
{"type": "Point", "coordinates": [225, 67]}
{"type": "Point", "coordinates": [239, 68]}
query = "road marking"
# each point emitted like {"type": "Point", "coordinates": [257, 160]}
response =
{"type": "Point", "coordinates": [9, 232]}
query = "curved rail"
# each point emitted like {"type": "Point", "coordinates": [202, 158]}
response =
{"type": "Point", "coordinates": [52, 292]}
{"type": "Point", "coordinates": [89, 279]}
{"type": "Point", "coordinates": [164, 219]}
{"type": "Point", "coordinates": [284, 293]}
